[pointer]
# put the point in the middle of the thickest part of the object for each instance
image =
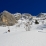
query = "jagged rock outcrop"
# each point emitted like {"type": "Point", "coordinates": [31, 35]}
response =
{"type": "Point", "coordinates": [7, 18]}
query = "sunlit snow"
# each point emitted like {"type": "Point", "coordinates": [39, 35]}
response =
{"type": "Point", "coordinates": [18, 36]}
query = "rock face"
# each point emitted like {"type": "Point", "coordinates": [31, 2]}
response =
{"type": "Point", "coordinates": [7, 18]}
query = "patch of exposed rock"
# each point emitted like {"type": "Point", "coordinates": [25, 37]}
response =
{"type": "Point", "coordinates": [6, 18]}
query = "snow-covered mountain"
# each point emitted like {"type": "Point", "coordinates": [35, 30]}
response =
{"type": "Point", "coordinates": [19, 36]}
{"type": "Point", "coordinates": [29, 31]}
{"type": "Point", "coordinates": [17, 14]}
{"type": "Point", "coordinates": [42, 15]}
{"type": "Point", "coordinates": [23, 16]}
{"type": "Point", "coordinates": [26, 15]}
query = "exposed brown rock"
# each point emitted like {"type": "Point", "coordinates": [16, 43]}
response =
{"type": "Point", "coordinates": [7, 18]}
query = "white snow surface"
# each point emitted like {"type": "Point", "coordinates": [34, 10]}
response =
{"type": "Point", "coordinates": [18, 36]}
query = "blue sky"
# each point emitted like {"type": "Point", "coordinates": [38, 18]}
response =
{"type": "Point", "coordinates": [33, 7]}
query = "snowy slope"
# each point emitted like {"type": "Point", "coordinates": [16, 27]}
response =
{"type": "Point", "coordinates": [18, 36]}
{"type": "Point", "coordinates": [29, 38]}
